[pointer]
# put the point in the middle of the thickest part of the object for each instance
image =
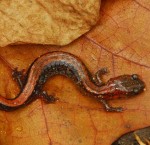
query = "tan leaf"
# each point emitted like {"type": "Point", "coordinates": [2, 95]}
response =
{"type": "Point", "coordinates": [46, 21]}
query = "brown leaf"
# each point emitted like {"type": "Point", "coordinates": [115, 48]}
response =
{"type": "Point", "coordinates": [121, 42]}
{"type": "Point", "coordinates": [46, 21]}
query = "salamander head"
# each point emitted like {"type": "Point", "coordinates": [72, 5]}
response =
{"type": "Point", "coordinates": [126, 84]}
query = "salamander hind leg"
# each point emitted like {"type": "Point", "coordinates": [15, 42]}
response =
{"type": "Point", "coordinates": [110, 108]}
{"type": "Point", "coordinates": [48, 98]}
{"type": "Point", "coordinates": [97, 76]}
{"type": "Point", "coordinates": [19, 77]}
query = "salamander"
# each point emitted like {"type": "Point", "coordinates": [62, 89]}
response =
{"type": "Point", "coordinates": [63, 63]}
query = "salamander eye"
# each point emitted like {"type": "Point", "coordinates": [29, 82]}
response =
{"type": "Point", "coordinates": [135, 90]}
{"type": "Point", "coordinates": [134, 76]}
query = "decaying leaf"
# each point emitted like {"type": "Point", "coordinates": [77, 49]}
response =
{"type": "Point", "coordinates": [46, 21]}
{"type": "Point", "coordinates": [121, 42]}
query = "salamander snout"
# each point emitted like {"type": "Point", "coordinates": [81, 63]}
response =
{"type": "Point", "coordinates": [127, 84]}
{"type": "Point", "coordinates": [137, 85]}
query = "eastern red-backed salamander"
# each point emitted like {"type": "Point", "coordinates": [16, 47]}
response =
{"type": "Point", "coordinates": [62, 63]}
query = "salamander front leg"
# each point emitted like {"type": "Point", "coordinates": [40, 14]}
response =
{"type": "Point", "coordinates": [110, 108]}
{"type": "Point", "coordinates": [48, 98]}
{"type": "Point", "coordinates": [97, 77]}
{"type": "Point", "coordinates": [19, 77]}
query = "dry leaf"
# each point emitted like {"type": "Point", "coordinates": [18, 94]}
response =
{"type": "Point", "coordinates": [46, 21]}
{"type": "Point", "coordinates": [121, 42]}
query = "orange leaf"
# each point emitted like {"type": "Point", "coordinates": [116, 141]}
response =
{"type": "Point", "coordinates": [121, 42]}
